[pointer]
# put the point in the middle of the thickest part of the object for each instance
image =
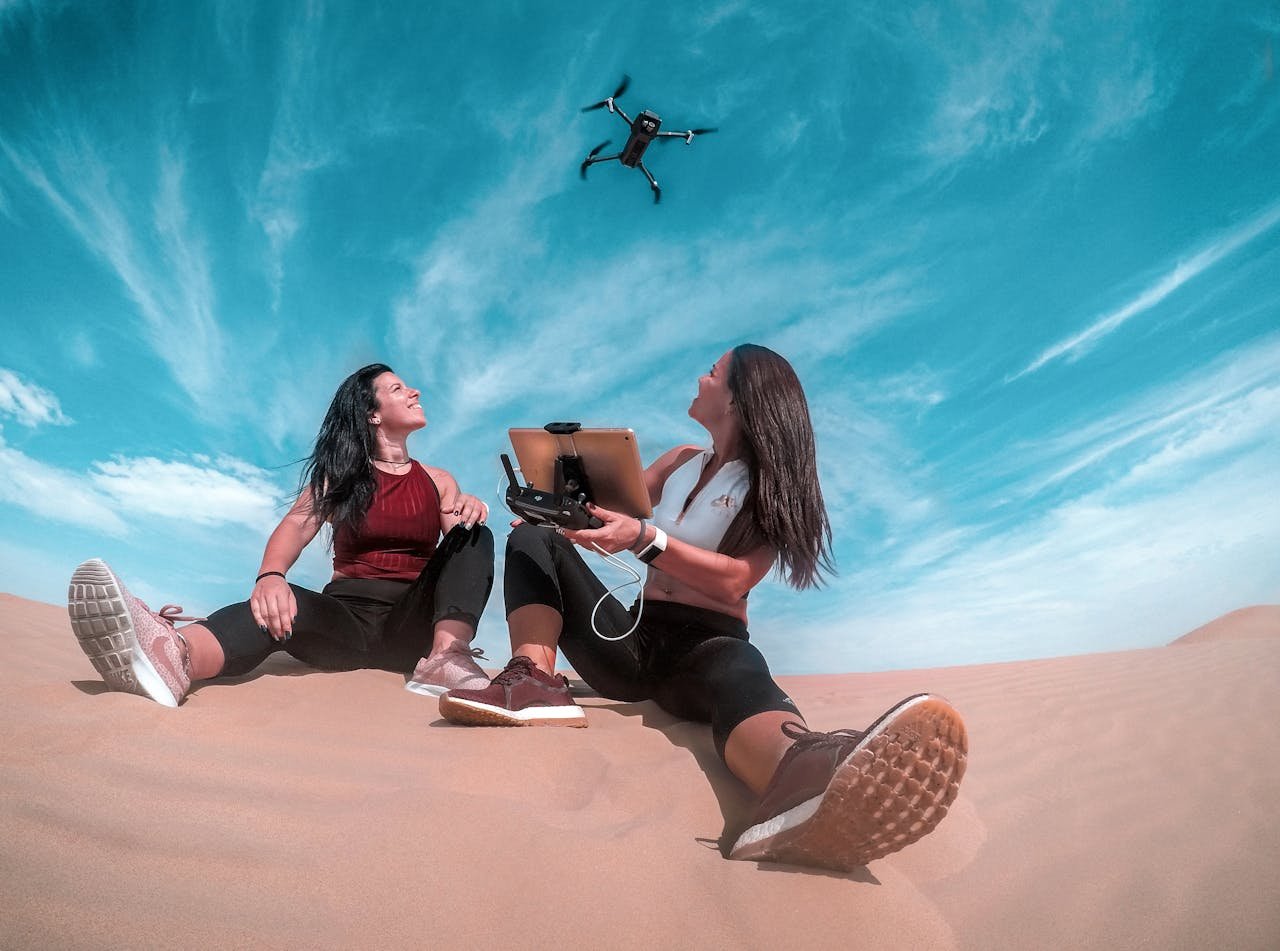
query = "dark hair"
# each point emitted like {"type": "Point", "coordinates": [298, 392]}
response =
{"type": "Point", "coordinates": [783, 508]}
{"type": "Point", "coordinates": [339, 472]}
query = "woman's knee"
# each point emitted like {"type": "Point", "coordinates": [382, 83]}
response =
{"type": "Point", "coordinates": [476, 542]}
{"type": "Point", "coordinates": [533, 540]}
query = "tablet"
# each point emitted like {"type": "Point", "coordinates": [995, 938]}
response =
{"type": "Point", "coordinates": [610, 458]}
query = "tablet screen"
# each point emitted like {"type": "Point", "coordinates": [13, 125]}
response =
{"type": "Point", "coordinates": [610, 458]}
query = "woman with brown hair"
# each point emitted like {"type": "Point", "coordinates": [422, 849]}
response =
{"type": "Point", "coordinates": [723, 516]}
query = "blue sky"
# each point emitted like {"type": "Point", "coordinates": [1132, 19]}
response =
{"type": "Point", "coordinates": [1024, 257]}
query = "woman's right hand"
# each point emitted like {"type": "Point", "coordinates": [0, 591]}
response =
{"type": "Point", "coordinates": [274, 607]}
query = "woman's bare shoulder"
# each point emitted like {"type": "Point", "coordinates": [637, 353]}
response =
{"type": "Point", "coordinates": [673, 459]}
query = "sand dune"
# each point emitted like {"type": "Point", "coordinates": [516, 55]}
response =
{"type": "Point", "coordinates": [1112, 801]}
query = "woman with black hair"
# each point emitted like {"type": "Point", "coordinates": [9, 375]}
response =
{"type": "Point", "coordinates": [412, 570]}
{"type": "Point", "coordinates": [723, 516]}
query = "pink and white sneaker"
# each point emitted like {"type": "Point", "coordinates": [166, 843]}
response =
{"type": "Point", "coordinates": [135, 649]}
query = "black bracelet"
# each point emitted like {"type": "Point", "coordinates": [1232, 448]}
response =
{"type": "Point", "coordinates": [268, 574]}
{"type": "Point", "coordinates": [640, 537]}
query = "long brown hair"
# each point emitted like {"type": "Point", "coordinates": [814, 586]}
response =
{"type": "Point", "coordinates": [784, 507]}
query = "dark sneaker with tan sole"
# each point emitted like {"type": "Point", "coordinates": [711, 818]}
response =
{"type": "Point", "coordinates": [135, 649]}
{"type": "Point", "coordinates": [840, 800]}
{"type": "Point", "coordinates": [522, 695]}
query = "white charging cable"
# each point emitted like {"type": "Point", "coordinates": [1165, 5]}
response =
{"type": "Point", "coordinates": [636, 580]}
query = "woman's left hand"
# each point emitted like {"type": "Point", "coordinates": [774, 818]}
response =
{"type": "Point", "coordinates": [466, 509]}
{"type": "Point", "coordinates": [618, 533]}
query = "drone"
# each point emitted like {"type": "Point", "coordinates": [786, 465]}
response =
{"type": "Point", "coordinates": [644, 129]}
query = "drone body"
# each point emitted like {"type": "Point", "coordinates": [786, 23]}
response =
{"type": "Point", "coordinates": [645, 127]}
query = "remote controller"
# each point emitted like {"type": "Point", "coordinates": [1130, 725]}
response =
{"type": "Point", "coordinates": [545, 508]}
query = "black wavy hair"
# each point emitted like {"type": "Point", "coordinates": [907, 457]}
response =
{"type": "Point", "coordinates": [339, 471]}
{"type": "Point", "coordinates": [784, 508]}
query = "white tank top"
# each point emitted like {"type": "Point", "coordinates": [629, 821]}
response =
{"type": "Point", "coordinates": [707, 519]}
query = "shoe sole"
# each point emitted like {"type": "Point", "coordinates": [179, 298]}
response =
{"type": "Point", "coordinates": [892, 790]}
{"type": "Point", "coordinates": [102, 624]}
{"type": "Point", "coordinates": [473, 713]}
{"type": "Point", "coordinates": [427, 690]}
{"type": "Point", "coordinates": [435, 690]}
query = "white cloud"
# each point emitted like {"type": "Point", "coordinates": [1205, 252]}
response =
{"type": "Point", "coordinates": [202, 492]}
{"type": "Point", "coordinates": [1174, 278]}
{"type": "Point", "coordinates": [54, 493]}
{"type": "Point", "coordinates": [30, 404]}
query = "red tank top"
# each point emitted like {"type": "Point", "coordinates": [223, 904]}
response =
{"type": "Point", "coordinates": [398, 535]}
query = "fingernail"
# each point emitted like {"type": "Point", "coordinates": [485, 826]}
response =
{"type": "Point", "coordinates": [262, 628]}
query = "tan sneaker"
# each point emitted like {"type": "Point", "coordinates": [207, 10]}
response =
{"type": "Point", "coordinates": [522, 695]}
{"type": "Point", "coordinates": [452, 668]}
{"type": "Point", "coordinates": [839, 800]}
{"type": "Point", "coordinates": [135, 649]}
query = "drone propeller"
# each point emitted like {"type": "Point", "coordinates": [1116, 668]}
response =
{"type": "Point", "coordinates": [592, 154]}
{"type": "Point", "coordinates": [622, 87]}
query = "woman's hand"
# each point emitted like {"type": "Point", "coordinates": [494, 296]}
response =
{"type": "Point", "coordinates": [466, 510]}
{"type": "Point", "coordinates": [274, 607]}
{"type": "Point", "coordinates": [618, 533]}
{"type": "Point", "coordinates": [456, 506]}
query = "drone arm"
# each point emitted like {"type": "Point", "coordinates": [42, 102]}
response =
{"type": "Point", "coordinates": [653, 183]}
{"type": "Point", "coordinates": [687, 135]}
{"type": "Point", "coordinates": [618, 112]}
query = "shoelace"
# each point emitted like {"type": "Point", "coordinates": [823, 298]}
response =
{"type": "Point", "coordinates": [173, 612]}
{"type": "Point", "coordinates": [516, 668]}
{"type": "Point", "coordinates": [475, 652]}
{"type": "Point", "coordinates": [803, 737]}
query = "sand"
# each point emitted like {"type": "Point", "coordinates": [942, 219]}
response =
{"type": "Point", "coordinates": [1118, 800]}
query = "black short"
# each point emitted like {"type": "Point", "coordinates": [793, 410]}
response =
{"type": "Point", "coordinates": [357, 622]}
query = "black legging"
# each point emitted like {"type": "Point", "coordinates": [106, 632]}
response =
{"type": "Point", "coordinates": [695, 663]}
{"type": "Point", "coordinates": [364, 623]}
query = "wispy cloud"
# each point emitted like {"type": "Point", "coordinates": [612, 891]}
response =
{"type": "Point", "coordinates": [1174, 278]}
{"type": "Point", "coordinates": [172, 290]}
{"type": "Point", "coordinates": [296, 148]}
{"type": "Point", "coordinates": [1230, 392]}
{"type": "Point", "coordinates": [1106, 571]}
{"type": "Point", "coordinates": [999, 79]}
{"type": "Point", "coordinates": [27, 402]}
{"type": "Point", "coordinates": [203, 491]}
{"type": "Point", "coordinates": [54, 494]}
{"type": "Point", "coordinates": [115, 492]}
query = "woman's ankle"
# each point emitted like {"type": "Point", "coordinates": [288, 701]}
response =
{"type": "Point", "coordinates": [205, 658]}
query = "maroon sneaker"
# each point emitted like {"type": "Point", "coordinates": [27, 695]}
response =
{"type": "Point", "coordinates": [135, 649]}
{"type": "Point", "coordinates": [838, 800]}
{"type": "Point", "coordinates": [522, 695]}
